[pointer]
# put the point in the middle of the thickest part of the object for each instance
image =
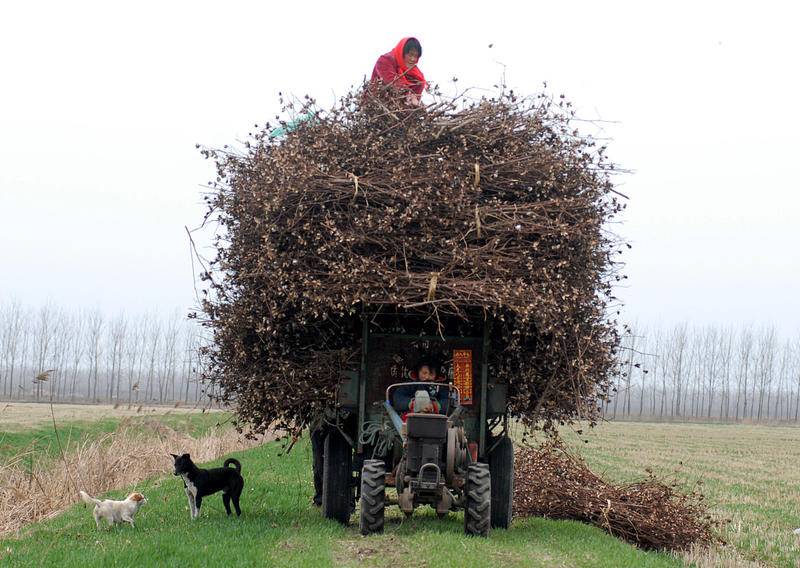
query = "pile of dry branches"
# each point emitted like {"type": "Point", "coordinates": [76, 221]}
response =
{"type": "Point", "coordinates": [552, 482]}
{"type": "Point", "coordinates": [461, 211]}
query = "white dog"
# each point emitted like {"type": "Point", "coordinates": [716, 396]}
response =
{"type": "Point", "coordinates": [115, 511]}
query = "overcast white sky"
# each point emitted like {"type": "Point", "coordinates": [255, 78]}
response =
{"type": "Point", "coordinates": [101, 105]}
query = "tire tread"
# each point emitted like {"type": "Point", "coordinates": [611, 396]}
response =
{"type": "Point", "coordinates": [478, 500]}
{"type": "Point", "coordinates": [373, 497]}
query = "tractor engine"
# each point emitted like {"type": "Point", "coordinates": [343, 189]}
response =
{"type": "Point", "coordinates": [435, 453]}
{"type": "Point", "coordinates": [427, 435]}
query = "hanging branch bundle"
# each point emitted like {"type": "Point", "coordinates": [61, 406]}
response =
{"type": "Point", "coordinates": [458, 211]}
{"type": "Point", "coordinates": [550, 481]}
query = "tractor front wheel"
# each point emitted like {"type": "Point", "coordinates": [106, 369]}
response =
{"type": "Point", "coordinates": [478, 500]}
{"type": "Point", "coordinates": [337, 476]}
{"type": "Point", "coordinates": [373, 496]}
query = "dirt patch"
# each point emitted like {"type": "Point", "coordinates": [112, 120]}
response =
{"type": "Point", "coordinates": [508, 557]}
{"type": "Point", "coordinates": [19, 416]}
{"type": "Point", "coordinates": [375, 551]}
{"type": "Point", "coordinates": [292, 545]}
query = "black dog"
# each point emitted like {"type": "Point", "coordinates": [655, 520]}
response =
{"type": "Point", "coordinates": [199, 483]}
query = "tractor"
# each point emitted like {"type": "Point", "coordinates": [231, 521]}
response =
{"type": "Point", "coordinates": [396, 440]}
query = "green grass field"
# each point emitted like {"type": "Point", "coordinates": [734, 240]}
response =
{"type": "Point", "coordinates": [748, 470]}
{"type": "Point", "coordinates": [280, 527]}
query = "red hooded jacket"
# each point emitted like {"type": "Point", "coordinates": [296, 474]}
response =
{"type": "Point", "coordinates": [390, 70]}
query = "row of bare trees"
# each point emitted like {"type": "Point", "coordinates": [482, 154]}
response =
{"type": "Point", "coordinates": [708, 372]}
{"type": "Point", "coordinates": [49, 353]}
{"type": "Point", "coordinates": [677, 373]}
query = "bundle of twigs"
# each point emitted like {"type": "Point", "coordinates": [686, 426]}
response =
{"type": "Point", "coordinates": [464, 212]}
{"type": "Point", "coordinates": [550, 481]}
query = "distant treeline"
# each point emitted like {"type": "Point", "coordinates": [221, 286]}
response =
{"type": "Point", "coordinates": [708, 373]}
{"type": "Point", "coordinates": [50, 353]}
{"type": "Point", "coordinates": [677, 373]}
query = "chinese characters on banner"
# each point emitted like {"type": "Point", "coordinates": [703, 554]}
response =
{"type": "Point", "coordinates": [462, 374]}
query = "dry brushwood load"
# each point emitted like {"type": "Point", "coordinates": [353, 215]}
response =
{"type": "Point", "coordinates": [550, 481]}
{"type": "Point", "coordinates": [464, 211]}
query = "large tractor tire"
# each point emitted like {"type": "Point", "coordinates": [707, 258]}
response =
{"type": "Point", "coordinates": [501, 466]}
{"type": "Point", "coordinates": [478, 502]}
{"type": "Point", "coordinates": [373, 497]}
{"type": "Point", "coordinates": [337, 477]}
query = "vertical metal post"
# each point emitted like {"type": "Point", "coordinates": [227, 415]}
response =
{"type": "Point", "coordinates": [362, 381]}
{"type": "Point", "coordinates": [484, 381]}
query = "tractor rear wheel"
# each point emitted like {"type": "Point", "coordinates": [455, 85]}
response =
{"type": "Point", "coordinates": [337, 476]}
{"type": "Point", "coordinates": [478, 500]}
{"type": "Point", "coordinates": [373, 497]}
{"type": "Point", "coordinates": [501, 466]}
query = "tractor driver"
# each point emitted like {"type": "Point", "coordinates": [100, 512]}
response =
{"type": "Point", "coordinates": [428, 399]}
{"type": "Point", "coordinates": [398, 68]}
